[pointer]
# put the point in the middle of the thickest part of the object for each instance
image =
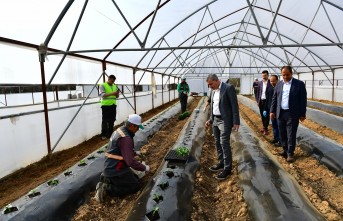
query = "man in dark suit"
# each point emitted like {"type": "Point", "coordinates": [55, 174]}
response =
{"type": "Point", "coordinates": [261, 100]}
{"type": "Point", "coordinates": [288, 107]}
{"type": "Point", "coordinates": [255, 87]}
{"type": "Point", "coordinates": [269, 96]}
{"type": "Point", "coordinates": [224, 117]}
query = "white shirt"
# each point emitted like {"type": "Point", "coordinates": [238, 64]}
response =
{"type": "Point", "coordinates": [263, 96]}
{"type": "Point", "coordinates": [216, 97]}
{"type": "Point", "coordinates": [285, 94]}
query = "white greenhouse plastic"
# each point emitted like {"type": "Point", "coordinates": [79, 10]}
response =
{"type": "Point", "coordinates": [79, 42]}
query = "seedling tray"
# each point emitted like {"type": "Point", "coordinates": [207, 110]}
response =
{"type": "Point", "coordinates": [172, 156]}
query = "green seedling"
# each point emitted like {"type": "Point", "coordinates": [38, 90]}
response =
{"type": "Point", "coordinates": [164, 185]}
{"type": "Point", "coordinates": [155, 211]}
{"type": "Point", "coordinates": [157, 198]}
{"type": "Point", "coordinates": [82, 163]}
{"type": "Point", "coordinates": [9, 208]}
{"type": "Point", "coordinates": [33, 193]}
{"type": "Point", "coordinates": [68, 173]}
{"type": "Point", "coordinates": [52, 182]}
{"type": "Point", "coordinates": [182, 151]}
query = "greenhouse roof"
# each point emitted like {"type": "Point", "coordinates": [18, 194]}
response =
{"type": "Point", "coordinates": [171, 37]}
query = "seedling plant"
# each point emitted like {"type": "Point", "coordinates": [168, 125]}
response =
{"type": "Point", "coordinates": [53, 182]}
{"type": "Point", "coordinates": [182, 151]}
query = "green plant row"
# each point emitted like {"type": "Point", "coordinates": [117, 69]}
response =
{"type": "Point", "coordinates": [184, 115]}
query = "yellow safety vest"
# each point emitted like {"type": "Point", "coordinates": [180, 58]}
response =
{"type": "Point", "coordinates": [110, 100]}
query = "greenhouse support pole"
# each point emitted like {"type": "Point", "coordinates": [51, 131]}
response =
{"type": "Point", "coordinates": [103, 71]}
{"type": "Point", "coordinates": [57, 98]}
{"type": "Point", "coordinates": [152, 96]}
{"type": "Point", "coordinates": [33, 99]}
{"type": "Point", "coordinates": [5, 97]}
{"type": "Point", "coordinates": [42, 51]}
{"type": "Point", "coordinates": [333, 85]}
{"type": "Point", "coordinates": [134, 90]}
{"type": "Point", "coordinates": [162, 91]}
{"type": "Point", "coordinates": [312, 83]}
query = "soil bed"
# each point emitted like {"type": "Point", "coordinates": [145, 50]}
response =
{"type": "Point", "coordinates": [321, 185]}
{"type": "Point", "coordinates": [50, 166]}
{"type": "Point", "coordinates": [157, 147]}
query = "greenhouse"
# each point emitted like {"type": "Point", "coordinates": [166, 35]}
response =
{"type": "Point", "coordinates": [57, 61]}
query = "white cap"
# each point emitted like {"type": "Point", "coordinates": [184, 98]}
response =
{"type": "Point", "coordinates": [136, 119]}
{"type": "Point", "coordinates": [183, 78]}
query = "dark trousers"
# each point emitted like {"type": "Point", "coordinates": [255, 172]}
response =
{"type": "Point", "coordinates": [108, 118]}
{"type": "Point", "coordinates": [265, 120]}
{"type": "Point", "coordinates": [183, 101]}
{"type": "Point", "coordinates": [222, 134]}
{"type": "Point", "coordinates": [275, 130]}
{"type": "Point", "coordinates": [123, 185]}
{"type": "Point", "coordinates": [288, 127]}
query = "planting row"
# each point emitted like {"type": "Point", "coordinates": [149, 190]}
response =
{"type": "Point", "coordinates": [168, 195]}
{"type": "Point", "coordinates": [269, 191]}
{"type": "Point", "coordinates": [60, 197]}
{"type": "Point", "coordinates": [327, 151]}
{"type": "Point", "coordinates": [326, 107]}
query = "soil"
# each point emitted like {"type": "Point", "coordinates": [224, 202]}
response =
{"type": "Point", "coordinates": [54, 164]}
{"type": "Point", "coordinates": [158, 145]}
{"type": "Point", "coordinates": [322, 187]}
{"type": "Point", "coordinates": [213, 199]}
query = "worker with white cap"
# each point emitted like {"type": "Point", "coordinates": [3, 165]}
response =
{"type": "Point", "coordinates": [183, 90]}
{"type": "Point", "coordinates": [118, 177]}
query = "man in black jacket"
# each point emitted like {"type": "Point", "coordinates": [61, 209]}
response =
{"type": "Point", "coordinates": [269, 95]}
{"type": "Point", "coordinates": [261, 100]}
{"type": "Point", "coordinates": [288, 107]}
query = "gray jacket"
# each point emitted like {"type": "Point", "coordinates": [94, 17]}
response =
{"type": "Point", "coordinates": [228, 105]}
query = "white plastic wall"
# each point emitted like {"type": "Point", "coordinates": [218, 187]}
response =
{"type": "Point", "coordinates": [25, 135]}
{"type": "Point", "coordinates": [246, 84]}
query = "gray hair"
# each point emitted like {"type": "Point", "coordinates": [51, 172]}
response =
{"type": "Point", "coordinates": [213, 77]}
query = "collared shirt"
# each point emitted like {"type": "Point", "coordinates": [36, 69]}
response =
{"type": "Point", "coordinates": [263, 95]}
{"type": "Point", "coordinates": [216, 97]}
{"type": "Point", "coordinates": [285, 94]}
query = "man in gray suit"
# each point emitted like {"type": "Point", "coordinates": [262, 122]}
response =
{"type": "Point", "coordinates": [224, 117]}
{"type": "Point", "coordinates": [288, 107]}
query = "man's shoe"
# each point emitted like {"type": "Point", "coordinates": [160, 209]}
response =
{"type": "Point", "coordinates": [217, 167]}
{"type": "Point", "coordinates": [224, 175]}
{"type": "Point", "coordinates": [100, 192]}
{"type": "Point", "coordinates": [265, 132]}
{"type": "Point", "coordinates": [283, 154]}
{"type": "Point", "coordinates": [103, 138]}
{"type": "Point", "coordinates": [262, 129]}
{"type": "Point", "coordinates": [290, 159]}
{"type": "Point", "coordinates": [278, 144]}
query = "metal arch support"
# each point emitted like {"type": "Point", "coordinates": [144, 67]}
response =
{"type": "Point", "coordinates": [152, 21]}
{"type": "Point", "coordinates": [70, 42]}
{"type": "Point", "coordinates": [274, 17]}
{"type": "Point", "coordinates": [128, 24]}
{"type": "Point", "coordinates": [334, 5]}
{"type": "Point", "coordinates": [256, 22]}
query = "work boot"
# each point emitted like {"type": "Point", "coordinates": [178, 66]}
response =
{"type": "Point", "coordinates": [290, 158]}
{"type": "Point", "coordinates": [217, 167]}
{"type": "Point", "coordinates": [283, 154]}
{"type": "Point", "coordinates": [224, 175]}
{"type": "Point", "coordinates": [100, 192]}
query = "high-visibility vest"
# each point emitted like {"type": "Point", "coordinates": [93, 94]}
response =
{"type": "Point", "coordinates": [110, 100]}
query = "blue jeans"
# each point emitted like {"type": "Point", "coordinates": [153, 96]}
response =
{"type": "Point", "coordinates": [222, 134]}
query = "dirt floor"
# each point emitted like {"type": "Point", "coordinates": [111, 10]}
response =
{"type": "Point", "coordinates": [322, 187]}
{"type": "Point", "coordinates": [213, 199]}
{"type": "Point", "coordinates": [12, 188]}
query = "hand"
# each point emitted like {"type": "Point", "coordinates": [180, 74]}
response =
{"type": "Point", "coordinates": [207, 124]}
{"type": "Point", "coordinates": [302, 119]}
{"type": "Point", "coordinates": [235, 127]}
{"type": "Point", "coordinates": [264, 113]}
{"type": "Point", "coordinates": [147, 168]}
{"type": "Point", "coordinates": [272, 116]}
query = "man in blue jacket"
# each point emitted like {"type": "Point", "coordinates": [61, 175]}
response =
{"type": "Point", "coordinates": [288, 107]}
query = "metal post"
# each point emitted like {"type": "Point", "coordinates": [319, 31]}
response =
{"type": "Point", "coordinates": [33, 99]}
{"type": "Point", "coordinates": [333, 85]}
{"type": "Point", "coordinates": [42, 50]}
{"type": "Point", "coordinates": [152, 95]}
{"type": "Point", "coordinates": [134, 89]}
{"type": "Point", "coordinates": [57, 98]}
{"type": "Point", "coordinates": [162, 90]}
{"type": "Point", "coordinates": [103, 71]}
{"type": "Point", "coordinates": [5, 97]}
{"type": "Point", "coordinates": [312, 83]}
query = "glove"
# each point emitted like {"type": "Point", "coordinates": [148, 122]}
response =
{"type": "Point", "coordinates": [147, 168]}
{"type": "Point", "coordinates": [264, 113]}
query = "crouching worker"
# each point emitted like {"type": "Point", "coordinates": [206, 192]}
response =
{"type": "Point", "coordinates": [121, 174]}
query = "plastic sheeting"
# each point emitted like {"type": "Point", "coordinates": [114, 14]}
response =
{"type": "Point", "coordinates": [326, 150]}
{"type": "Point", "coordinates": [328, 120]}
{"type": "Point", "coordinates": [176, 203]}
{"type": "Point", "coordinates": [269, 191]}
{"type": "Point", "coordinates": [61, 201]}
{"type": "Point", "coordinates": [326, 107]}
